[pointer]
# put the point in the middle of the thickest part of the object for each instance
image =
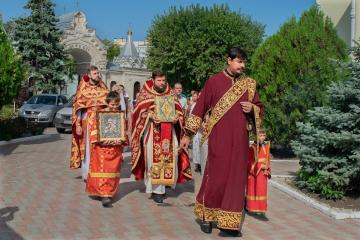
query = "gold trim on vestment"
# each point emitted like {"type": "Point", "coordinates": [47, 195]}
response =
{"type": "Point", "coordinates": [227, 101]}
{"type": "Point", "coordinates": [225, 219]}
{"type": "Point", "coordinates": [104, 175]}
{"type": "Point", "coordinates": [256, 210]}
{"type": "Point", "coordinates": [256, 197]}
{"type": "Point", "coordinates": [100, 194]}
{"type": "Point", "coordinates": [193, 123]}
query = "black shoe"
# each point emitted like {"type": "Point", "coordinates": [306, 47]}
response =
{"type": "Point", "coordinates": [158, 198]}
{"type": "Point", "coordinates": [97, 198]}
{"type": "Point", "coordinates": [206, 227]}
{"type": "Point", "coordinates": [229, 233]}
{"type": "Point", "coordinates": [106, 202]}
{"type": "Point", "coordinates": [197, 168]}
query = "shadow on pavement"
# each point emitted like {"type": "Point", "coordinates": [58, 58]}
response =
{"type": "Point", "coordinates": [6, 215]}
{"type": "Point", "coordinates": [9, 148]}
{"type": "Point", "coordinates": [127, 188]}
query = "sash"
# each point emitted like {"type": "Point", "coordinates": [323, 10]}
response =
{"type": "Point", "coordinates": [228, 100]}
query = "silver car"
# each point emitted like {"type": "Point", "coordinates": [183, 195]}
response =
{"type": "Point", "coordinates": [42, 108]}
{"type": "Point", "coordinates": [62, 119]}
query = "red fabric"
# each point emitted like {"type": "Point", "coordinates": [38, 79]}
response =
{"type": "Point", "coordinates": [88, 98]}
{"type": "Point", "coordinates": [225, 177]}
{"type": "Point", "coordinates": [165, 131]}
{"type": "Point", "coordinates": [256, 195]}
{"type": "Point", "coordinates": [183, 167]}
{"type": "Point", "coordinates": [145, 103]}
{"type": "Point", "coordinates": [104, 159]}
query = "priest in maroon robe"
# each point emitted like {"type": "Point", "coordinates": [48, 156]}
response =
{"type": "Point", "coordinates": [235, 109]}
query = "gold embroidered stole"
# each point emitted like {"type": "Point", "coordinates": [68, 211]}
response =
{"type": "Point", "coordinates": [227, 101]}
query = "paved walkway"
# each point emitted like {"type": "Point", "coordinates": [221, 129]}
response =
{"type": "Point", "coordinates": [41, 198]}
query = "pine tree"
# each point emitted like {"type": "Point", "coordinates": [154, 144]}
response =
{"type": "Point", "coordinates": [12, 72]}
{"type": "Point", "coordinates": [329, 143]}
{"type": "Point", "coordinates": [37, 38]}
{"type": "Point", "coordinates": [293, 69]}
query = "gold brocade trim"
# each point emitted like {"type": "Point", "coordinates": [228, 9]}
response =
{"type": "Point", "coordinates": [255, 210]}
{"type": "Point", "coordinates": [104, 174]}
{"type": "Point", "coordinates": [256, 197]}
{"type": "Point", "coordinates": [193, 123]}
{"type": "Point", "coordinates": [229, 220]}
{"type": "Point", "coordinates": [224, 219]}
{"type": "Point", "coordinates": [204, 213]}
{"type": "Point", "coordinates": [262, 160]}
{"type": "Point", "coordinates": [227, 101]}
{"type": "Point", "coordinates": [100, 194]}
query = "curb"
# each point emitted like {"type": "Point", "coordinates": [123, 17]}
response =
{"type": "Point", "coordinates": [336, 213]}
{"type": "Point", "coordinates": [25, 139]}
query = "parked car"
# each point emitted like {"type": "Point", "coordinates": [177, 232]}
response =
{"type": "Point", "coordinates": [63, 117]}
{"type": "Point", "coordinates": [42, 108]}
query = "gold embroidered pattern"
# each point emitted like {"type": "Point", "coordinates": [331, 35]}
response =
{"type": "Point", "coordinates": [224, 219]}
{"type": "Point", "coordinates": [104, 175]}
{"type": "Point", "coordinates": [256, 197]}
{"type": "Point", "coordinates": [229, 220]}
{"type": "Point", "coordinates": [251, 89]}
{"type": "Point", "coordinates": [226, 102]}
{"type": "Point", "coordinates": [193, 123]}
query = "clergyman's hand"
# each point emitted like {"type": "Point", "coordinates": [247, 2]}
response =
{"type": "Point", "coordinates": [246, 106]}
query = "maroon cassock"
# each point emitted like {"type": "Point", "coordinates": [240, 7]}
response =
{"type": "Point", "coordinates": [221, 196]}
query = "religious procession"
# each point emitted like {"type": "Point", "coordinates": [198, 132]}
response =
{"type": "Point", "coordinates": [183, 120]}
{"type": "Point", "coordinates": [160, 128]}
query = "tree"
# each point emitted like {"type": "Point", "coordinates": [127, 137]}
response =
{"type": "Point", "coordinates": [37, 38]}
{"type": "Point", "coordinates": [70, 67]}
{"type": "Point", "coordinates": [113, 50]}
{"type": "Point", "coordinates": [191, 43]}
{"type": "Point", "coordinates": [293, 69]}
{"type": "Point", "coordinates": [12, 72]}
{"type": "Point", "coordinates": [328, 146]}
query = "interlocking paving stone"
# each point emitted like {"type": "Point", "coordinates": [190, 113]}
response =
{"type": "Point", "coordinates": [52, 204]}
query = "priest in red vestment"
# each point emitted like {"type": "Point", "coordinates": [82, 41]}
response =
{"type": "Point", "coordinates": [155, 144]}
{"type": "Point", "coordinates": [90, 97]}
{"type": "Point", "coordinates": [235, 108]}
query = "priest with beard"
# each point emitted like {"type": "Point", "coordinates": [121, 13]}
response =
{"type": "Point", "coordinates": [156, 158]}
{"type": "Point", "coordinates": [90, 97]}
{"type": "Point", "coordinates": [235, 108]}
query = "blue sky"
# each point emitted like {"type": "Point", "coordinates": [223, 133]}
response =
{"type": "Point", "coordinates": [111, 18]}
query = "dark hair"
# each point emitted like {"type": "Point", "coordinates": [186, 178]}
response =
{"type": "Point", "coordinates": [262, 130]}
{"type": "Point", "coordinates": [112, 95]}
{"type": "Point", "coordinates": [157, 73]}
{"type": "Point", "coordinates": [237, 53]}
{"type": "Point", "coordinates": [92, 68]}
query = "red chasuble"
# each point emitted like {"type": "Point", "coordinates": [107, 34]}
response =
{"type": "Point", "coordinates": [162, 140]}
{"type": "Point", "coordinates": [259, 171]}
{"type": "Point", "coordinates": [221, 197]}
{"type": "Point", "coordinates": [88, 98]}
{"type": "Point", "coordinates": [105, 165]}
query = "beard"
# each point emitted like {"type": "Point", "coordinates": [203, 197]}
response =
{"type": "Point", "coordinates": [95, 81]}
{"type": "Point", "coordinates": [160, 89]}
